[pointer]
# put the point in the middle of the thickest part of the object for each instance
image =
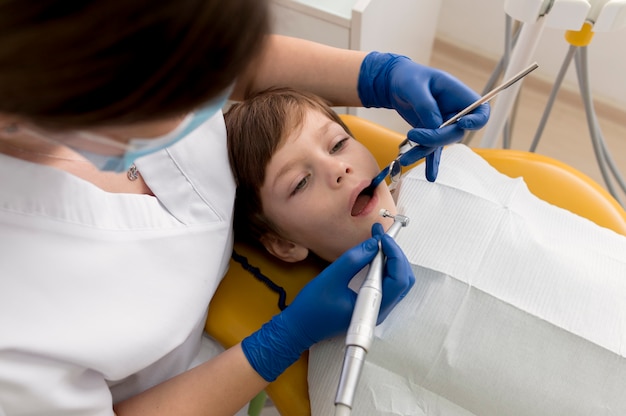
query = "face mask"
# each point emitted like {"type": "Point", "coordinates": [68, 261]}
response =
{"type": "Point", "coordinates": [137, 148]}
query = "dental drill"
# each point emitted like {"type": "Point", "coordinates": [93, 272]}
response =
{"type": "Point", "coordinates": [361, 331]}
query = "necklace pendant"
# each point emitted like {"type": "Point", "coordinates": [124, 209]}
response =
{"type": "Point", "coordinates": [132, 173]}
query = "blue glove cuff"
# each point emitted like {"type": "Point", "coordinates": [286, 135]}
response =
{"type": "Point", "coordinates": [373, 85]}
{"type": "Point", "coordinates": [272, 349]}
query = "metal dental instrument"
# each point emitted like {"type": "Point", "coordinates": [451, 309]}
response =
{"type": "Point", "coordinates": [491, 94]}
{"type": "Point", "coordinates": [407, 145]}
{"type": "Point", "coordinates": [361, 331]}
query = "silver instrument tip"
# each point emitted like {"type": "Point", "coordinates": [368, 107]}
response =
{"type": "Point", "coordinates": [397, 218]}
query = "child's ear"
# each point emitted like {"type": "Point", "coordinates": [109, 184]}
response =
{"type": "Point", "coordinates": [285, 250]}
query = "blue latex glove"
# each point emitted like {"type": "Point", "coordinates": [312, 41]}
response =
{"type": "Point", "coordinates": [323, 308]}
{"type": "Point", "coordinates": [425, 97]}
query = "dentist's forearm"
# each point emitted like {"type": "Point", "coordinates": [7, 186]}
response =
{"type": "Point", "coordinates": [221, 386]}
{"type": "Point", "coordinates": [329, 72]}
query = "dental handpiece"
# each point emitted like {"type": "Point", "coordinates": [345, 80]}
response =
{"type": "Point", "coordinates": [361, 331]}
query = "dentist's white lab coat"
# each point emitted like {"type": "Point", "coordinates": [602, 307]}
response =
{"type": "Point", "coordinates": [103, 295]}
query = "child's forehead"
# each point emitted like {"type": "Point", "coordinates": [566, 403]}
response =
{"type": "Point", "coordinates": [308, 120]}
{"type": "Point", "coordinates": [305, 113]}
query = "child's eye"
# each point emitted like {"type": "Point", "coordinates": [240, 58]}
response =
{"type": "Point", "coordinates": [300, 185]}
{"type": "Point", "coordinates": [340, 144]}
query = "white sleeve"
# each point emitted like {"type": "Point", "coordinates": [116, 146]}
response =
{"type": "Point", "coordinates": [35, 385]}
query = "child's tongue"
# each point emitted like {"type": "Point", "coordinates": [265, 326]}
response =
{"type": "Point", "coordinates": [360, 203]}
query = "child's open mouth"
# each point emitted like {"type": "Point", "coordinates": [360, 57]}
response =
{"type": "Point", "coordinates": [362, 200]}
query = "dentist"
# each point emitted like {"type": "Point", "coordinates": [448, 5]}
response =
{"type": "Point", "coordinates": [116, 198]}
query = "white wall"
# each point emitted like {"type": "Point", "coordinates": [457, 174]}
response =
{"type": "Point", "coordinates": [402, 26]}
{"type": "Point", "coordinates": [479, 25]}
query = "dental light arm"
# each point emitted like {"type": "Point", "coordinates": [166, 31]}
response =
{"type": "Point", "coordinates": [361, 331]}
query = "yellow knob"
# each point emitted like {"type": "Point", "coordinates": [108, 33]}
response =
{"type": "Point", "coordinates": [580, 37]}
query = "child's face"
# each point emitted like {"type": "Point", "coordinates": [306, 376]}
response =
{"type": "Point", "coordinates": [312, 186]}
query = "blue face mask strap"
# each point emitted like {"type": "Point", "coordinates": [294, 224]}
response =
{"type": "Point", "coordinates": [198, 118]}
{"type": "Point", "coordinates": [205, 113]}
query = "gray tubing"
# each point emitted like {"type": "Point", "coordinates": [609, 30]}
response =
{"type": "Point", "coordinates": [555, 89]}
{"type": "Point", "coordinates": [603, 156]}
{"type": "Point", "coordinates": [509, 41]}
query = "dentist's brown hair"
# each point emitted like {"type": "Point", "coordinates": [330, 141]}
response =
{"type": "Point", "coordinates": [70, 64]}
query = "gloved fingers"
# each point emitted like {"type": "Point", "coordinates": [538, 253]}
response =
{"type": "Point", "coordinates": [342, 270]}
{"type": "Point", "coordinates": [451, 93]}
{"type": "Point", "coordinates": [324, 306]}
{"type": "Point", "coordinates": [397, 266]}
{"type": "Point", "coordinates": [436, 137]}
{"type": "Point", "coordinates": [476, 119]}
{"type": "Point", "coordinates": [426, 97]}
{"type": "Point", "coordinates": [398, 277]}
{"type": "Point", "coordinates": [332, 282]}
{"type": "Point", "coordinates": [431, 149]}
{"type": "Point", "coordinates": [432, 164]}
{"type": "Point", "coordinates": [377, 230]}
{"type": "Point", "coordinates": [417, 106]}
{"type": "Point", "coordinates": [422, 95]}
{"type": "Point", "coordinates": [321, 310]}
{"type": "Point", "coordinates": [416, 153]}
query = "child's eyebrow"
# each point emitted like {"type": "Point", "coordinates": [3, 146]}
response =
{"type": "Point", "coordinates": [320, 132]}
{"type": "Point", "coordinates": [325, 128]}
{"type": "Point", "coordinates": [284, 169]}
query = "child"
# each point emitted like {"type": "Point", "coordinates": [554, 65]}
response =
{"type": "Point", "coordinates": [519, 307]}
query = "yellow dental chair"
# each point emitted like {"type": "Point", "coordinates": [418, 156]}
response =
{"type": "Point", "coordinates": [244, 302]}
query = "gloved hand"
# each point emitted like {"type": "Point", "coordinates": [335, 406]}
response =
{"type": "Point", "coordinates": [323, 308]}
{"type": "Point", "coordinates": [397, 269]}
{"type": "Point", "coordinates": [425, 97]}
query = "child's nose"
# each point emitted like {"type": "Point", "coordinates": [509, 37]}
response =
{"type": "Point", "coordinates": [341, 172]}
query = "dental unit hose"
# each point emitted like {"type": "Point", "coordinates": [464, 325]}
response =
{"type": "Point", "coordinates": [361, 331]}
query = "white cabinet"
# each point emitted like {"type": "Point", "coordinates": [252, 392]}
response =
{"type": "Point", "coordinates": [406, 27]}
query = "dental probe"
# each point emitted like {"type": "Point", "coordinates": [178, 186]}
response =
{"type": "Point", "coordinates": [395, 167]}
{"type": "Point", "coordinates": [491, 94]}
{"type": "Point", "coordinates": [361, 331]}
